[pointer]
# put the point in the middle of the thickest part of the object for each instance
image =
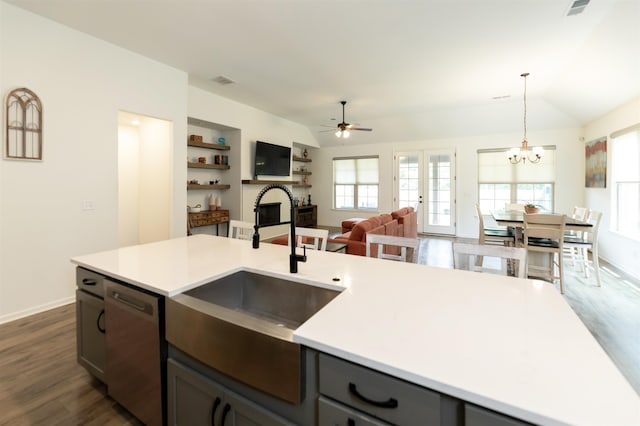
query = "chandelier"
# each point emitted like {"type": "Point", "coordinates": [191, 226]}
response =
{"type": "Point", "coordinates": [522, 154]}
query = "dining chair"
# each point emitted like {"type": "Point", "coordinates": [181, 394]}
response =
{"type": "Point", "coordinates": [408, 247]}
{"type": "Point", "coordinates": [311, 238]}
{"type": "Point", "coordinates": [494, 259]}
{"type": "Point", "coordinates": [494, 234]}
{"type": "Point", "coordinates": [577, 213]}
{"type": "Point", "coordinates": [544, 233]}
{"type": "Point", "coordinates": [587, 240]}
{"type": "Point", "coordinates": [240, 230]}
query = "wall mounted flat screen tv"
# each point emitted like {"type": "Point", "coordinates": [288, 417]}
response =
{"type": "Point", "coordinates": [272, 160]}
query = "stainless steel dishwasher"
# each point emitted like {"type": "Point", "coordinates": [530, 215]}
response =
{"type": "Point", "coordinates": [135, 351]}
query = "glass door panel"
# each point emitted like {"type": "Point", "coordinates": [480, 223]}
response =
{"type": "Point", "coordinates": [409, 182]}
{"type": "Point", "coordinates": [440, 190]}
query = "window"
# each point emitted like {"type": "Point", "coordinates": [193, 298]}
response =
{"type": "Point", "coordinates": [500, 182]}
{"type": "Point", "coordinates": [355, 183]}
{"type": "Point", "coordinates": [625, 169]}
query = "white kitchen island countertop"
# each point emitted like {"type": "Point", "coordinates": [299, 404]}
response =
{"type": "Point", "coordinates": [513, 346]}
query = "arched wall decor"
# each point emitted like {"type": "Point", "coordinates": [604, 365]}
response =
{"type": "Point", "coordinates": [24, 125]}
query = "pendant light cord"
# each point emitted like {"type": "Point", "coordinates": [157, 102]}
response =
{"type": "Point", "coordinates": [524, 75]}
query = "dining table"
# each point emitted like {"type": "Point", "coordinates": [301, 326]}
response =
{"type": "Point", "coordinates": [515, 219]}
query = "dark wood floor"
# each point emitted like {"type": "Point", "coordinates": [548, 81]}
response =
{"type": "Point", "coordinates": [41, 383]}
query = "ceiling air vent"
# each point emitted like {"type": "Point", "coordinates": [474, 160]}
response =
{"type": "Point", "coordinates": [223, 80]}
{"type": "Point", "coordinates": [577, 7]}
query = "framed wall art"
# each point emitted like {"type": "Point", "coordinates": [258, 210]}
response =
{"type": "Point", "coordinates": [23, 137]}
{"type": "Point", "coordinates": [596, 163]}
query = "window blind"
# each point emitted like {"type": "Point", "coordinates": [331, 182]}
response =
{"type": "Point", "coordinates": [349, 171]}
{"type": "Point", "coordinates": [494, 167]}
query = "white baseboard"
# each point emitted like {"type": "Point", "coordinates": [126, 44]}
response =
{"type": "Point", "coordinates": [36, 309]}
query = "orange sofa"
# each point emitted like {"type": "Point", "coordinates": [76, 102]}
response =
{"type": "Point", "coordinates": [400, 223]}
{"type": "Point", "coordinates": [407, 219]}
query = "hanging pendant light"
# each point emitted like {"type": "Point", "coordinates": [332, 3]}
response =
{"type": "Point", "coordinates": [523, 153]}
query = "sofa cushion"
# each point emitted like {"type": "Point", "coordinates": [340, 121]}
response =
{"type": "Point", "coordinates": [358, 231]}
{"type": "Point", "coordinates": [400, 212]}
{"type": "Point", "coordinates": [376, 220]}
{"type": "Point", "coordinates": [385, 218]}
{"type": "Point", "coordinates": [348, 224]}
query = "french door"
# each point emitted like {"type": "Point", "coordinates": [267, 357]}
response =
{"type": "Point", "coordinates": [425, 180]}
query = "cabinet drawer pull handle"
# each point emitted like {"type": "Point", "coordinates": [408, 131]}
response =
{"type": "Point", "coordinates": [89, 281]}
{"type": "Point", "coordinates": [101, 329]}
{"type": "Point", "coordinates": [351, 422]}
{"type": "Point", "coordinates": [390, 403]}
{"type": "Point", "coordinates": [216, 403]}
{"type": "Point", "coordinates": [226, 410]}
{"type": "Point", "coordinates": [133, 303]}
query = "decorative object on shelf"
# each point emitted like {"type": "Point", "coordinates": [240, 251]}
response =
{"type": "Point", "coordinates": [222, 141]}
{"type": "Point", "coordinates": [522, 154]}
{"type": "Point", "coordinates": [596, 163]}
{"type": "Point", "coordinates": [194, 182]}
{"type": "Point", "coordinates": [305, 153]}
{"type": "Point", "coordinates": [195, 209]}
{"type": "Point", "coordinates": [221, 159]}
{"type": "Point", "coordinates": [305, 180]}
{"type": "Point", "coordinates": [218, 203]}
{"type": "Point", "coordinates": [23, 136]}
{"type": "Point", "coordinates": [309, 199]}
{"type": "Point", "coordinates": [202, 160]}
{"type": "Point", "coordinates": [195, 138]}
{"type": "Point", "coordinates": [531, 208]}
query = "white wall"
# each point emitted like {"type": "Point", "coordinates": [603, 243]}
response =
{"type": "Point", "coordinates": [128, 185]}
{"type": "Point", "coordinates": [154, 197]}
{"type": "Point", "coordinates": [616, 249]}
{"type": "Point", "coordinates": [569, 173]}
{"type": "Point", "coordinates": [83, 82]}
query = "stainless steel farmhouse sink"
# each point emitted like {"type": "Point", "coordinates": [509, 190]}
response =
{"type": "Point", "coordinates": [242, 325]}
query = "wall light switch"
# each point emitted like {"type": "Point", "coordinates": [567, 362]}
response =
{"type": "Point", "coordinates": [88, 205]}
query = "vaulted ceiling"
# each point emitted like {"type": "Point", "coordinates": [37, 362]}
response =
{"type": "Point", "coordinates": [410, 69]}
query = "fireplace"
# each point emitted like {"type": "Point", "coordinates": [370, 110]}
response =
{"type": "Point", "coordinates": [269, 214]}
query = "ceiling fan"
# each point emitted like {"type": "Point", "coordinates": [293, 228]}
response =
{"type": "Point", "coordinates": [344, 128]}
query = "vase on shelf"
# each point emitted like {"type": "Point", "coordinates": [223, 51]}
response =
{"type": "Point", "coordinates": [531, 209]}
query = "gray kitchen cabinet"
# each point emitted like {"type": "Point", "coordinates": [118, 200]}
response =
{"type": "Point", "coordinates": [194, 399]}
{"type": "Point", "coordinates": [334, 413]}
{"type": "Point", "coordinates": [477, 416]}
{"type": "Point", "coordinates": [378, 395]}
{"type": "Point", "coordinates": [91, 349]}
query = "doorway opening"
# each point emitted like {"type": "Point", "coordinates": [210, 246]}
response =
{"type": "Point", "coordinates": [144, 178]}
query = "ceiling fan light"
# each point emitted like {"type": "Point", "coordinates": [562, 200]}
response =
{"type": "Point", "coordinates": [339, 133]}
{"type": "Point", "coordinates": [345, 134]}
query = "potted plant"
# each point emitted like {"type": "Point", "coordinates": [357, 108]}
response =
{"type": "Point", "coordinates": [531, 208]}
